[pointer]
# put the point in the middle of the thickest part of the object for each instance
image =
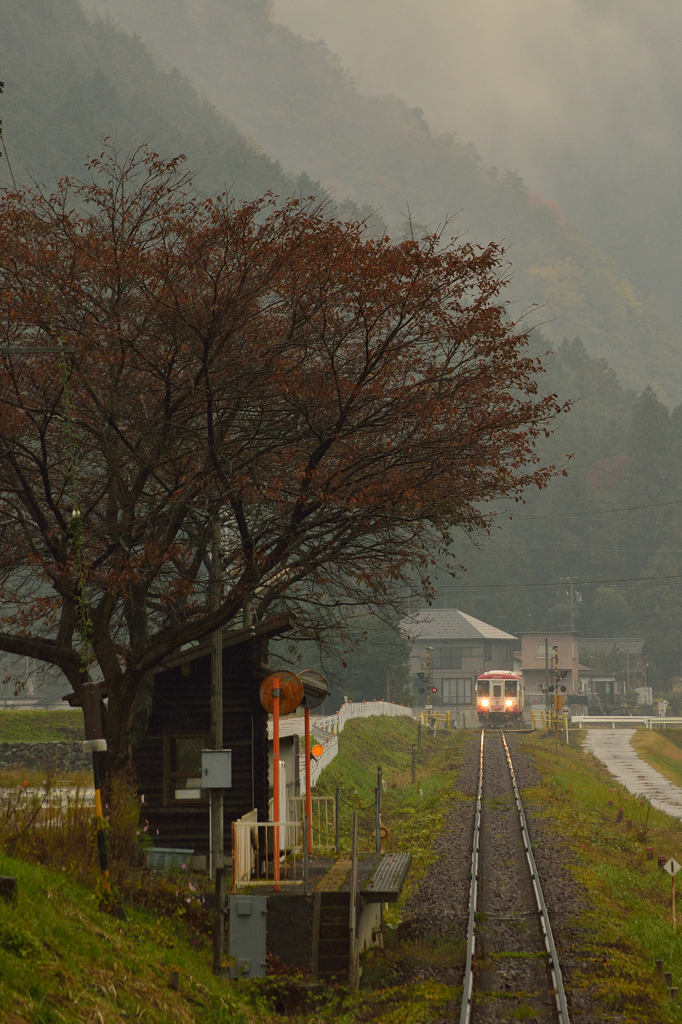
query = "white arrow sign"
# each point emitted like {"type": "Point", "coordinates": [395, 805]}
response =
{"type": "Point", "coordinates": [671, 866]}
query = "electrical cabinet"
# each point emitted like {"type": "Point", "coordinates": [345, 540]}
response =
{"type": "Point", "coordinates": [248, 921]}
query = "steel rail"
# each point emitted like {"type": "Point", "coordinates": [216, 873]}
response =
{"type": "Point", "coordinates": [557, 978]}
{"type": "Point", "coordinates": [468, 983]}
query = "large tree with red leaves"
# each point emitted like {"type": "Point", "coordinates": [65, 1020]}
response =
{"type": "Point", "coordinates": [342, 403]}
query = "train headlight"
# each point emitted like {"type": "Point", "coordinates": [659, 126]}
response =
{"type": "Point", "coordinates": [485, 702]}
{"type": "Point", "coordinates": [509, 703]}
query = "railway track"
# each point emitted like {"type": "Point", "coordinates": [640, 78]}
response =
{"type": "Point", "coordinates": [511, 960]}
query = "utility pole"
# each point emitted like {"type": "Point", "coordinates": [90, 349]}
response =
{"type": "Point", "coordinates": [546, 671]}
{"type": "Point", "coordinates": [570, 580]}
{"type": "Point", "coordinates": [217, 824]}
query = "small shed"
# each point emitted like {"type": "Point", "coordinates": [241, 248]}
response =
{"type": "Point", "coordinates": [168, 759]}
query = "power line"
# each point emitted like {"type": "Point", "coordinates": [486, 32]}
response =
{"type": "Point", "coordinates": [664, 580]}
{"type": "Point", "coordinates": [597, 512]}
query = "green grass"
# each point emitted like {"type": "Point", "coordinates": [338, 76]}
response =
{"type": "Point", "coordinates": [662, 750]}
{"type": "Point", "coordinates": [413, 812]}
{"type": "Point", "coordinates": [40, 726]}
{"type": "Point", "coordinates": [63, 960]}
{"type": "Point", "coordinates": [628, 925]}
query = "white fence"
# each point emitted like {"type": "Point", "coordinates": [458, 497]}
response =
{"type": "Point", "coordinates": [243, 848]}
{"type": "Point", "coordinates": [359, 709]}
{"type": "Point", "coordinates": [330, 747]}
{"type": "Point", "coordinates": [326, 729]}
{"type": "Point", "coordinates": [648, 721]}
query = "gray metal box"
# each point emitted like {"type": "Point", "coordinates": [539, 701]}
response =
{"type": "Point", "coordinates": [216, 769]}
{"type": "Point", "coordinates": [248, 920]}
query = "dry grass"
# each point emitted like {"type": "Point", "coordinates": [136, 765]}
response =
{"type": "Point", "coordinates": [660, 751]}
{"type": "Point", "coordinates": [57, 828]}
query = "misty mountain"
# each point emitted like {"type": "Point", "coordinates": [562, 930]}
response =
{"type": "Point", "coordinates": [585, 99]}
{"type": "Point", "coordinates": [612, 523]}
{"type": "Point", "coordinates": [295, 97]}
{"type": "Point", "coordinates": [69, 83]}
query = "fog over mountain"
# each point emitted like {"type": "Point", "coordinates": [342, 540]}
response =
{"type": "Point", "coordinates": [524, 108]}
{"type": "Point", "coordinates": [583, 99]}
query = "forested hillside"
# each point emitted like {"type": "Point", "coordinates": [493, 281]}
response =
{"type": "Point", "coordinates": [69, 83]}
{"type": "Point", "coordinates": [615, 518]}
{"type": "Point", "coordinates": [295, 98]}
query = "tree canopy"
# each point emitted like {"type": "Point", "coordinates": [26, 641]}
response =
{"type": "Point", "coordinates": [340, 403]}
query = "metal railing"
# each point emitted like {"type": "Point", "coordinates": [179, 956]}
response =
{"type": "Point", "coordinates": [548, 719]}
{"type": "Point", "coordinates": [254, 852]}
{"type": "Point", "coordinates": [323, 819]}
{"type": "Point", "coordinates": [432, 718]}
{"type": "Point", "coordinates": [648, 721]}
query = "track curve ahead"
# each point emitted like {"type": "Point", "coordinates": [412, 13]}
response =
{"type": "Point", "coordinates": [511, 958]}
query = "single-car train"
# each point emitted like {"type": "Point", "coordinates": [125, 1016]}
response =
{"type": "Point", "coordinates": [499, 697]}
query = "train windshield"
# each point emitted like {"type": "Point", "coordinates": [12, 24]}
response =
{"type": "Point", "coordinates": [510, 687]}
{"type": "Point", "coordinates": [483, 688]}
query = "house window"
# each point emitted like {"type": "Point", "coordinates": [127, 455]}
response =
{"type": "Point", "coordinates": [446, 658]}
{"type": "Point", "coordinates": [540, 651]}
{"type": "Point", "coordinates": [471, 652]}
{"type": "Point", "coordinates": [182, 763]}
{"type": "Point", "coordinates": [488, 650]}
{"type": "Point", "coordinates": [575, 652]}
{"type": "Point", "coordinates": [508, 653]}
{"type": "Point", "coordinates": [456, 691]}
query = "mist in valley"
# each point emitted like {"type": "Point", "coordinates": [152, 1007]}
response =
{"type": "Point", "coordinates": [583, 99]}
{"type": "Point", "coordinates": [555, 131]}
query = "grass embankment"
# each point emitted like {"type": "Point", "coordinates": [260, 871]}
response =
{"type": "Point", "coordinates": [40, 726]}
{"type": "Point", "coordinates": [22, 726]}
{"type": "Point", "coordinates": [413, 813]}
{"type": "Point", "coordinates": [662, 750]}
{"type": "Point", "coordinates": [64, 960]}
{"type": "Point", "coordinates": [628, 926]}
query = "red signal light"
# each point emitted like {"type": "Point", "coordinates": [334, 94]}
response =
{"type": "Point", "coordinates": [434, 689]}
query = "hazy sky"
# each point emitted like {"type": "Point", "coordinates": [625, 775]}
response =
{"type": "Point", "coordinates": [526, 81]}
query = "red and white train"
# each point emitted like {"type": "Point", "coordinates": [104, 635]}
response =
{"type": "Point", "coordinates": [499, 697]}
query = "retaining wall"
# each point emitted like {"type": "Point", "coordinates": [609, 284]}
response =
{"type": "Point", "coordinates": [52, 757]}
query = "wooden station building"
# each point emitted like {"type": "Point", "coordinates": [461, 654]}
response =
{"type": "Point", "coordinates": [168, 760]}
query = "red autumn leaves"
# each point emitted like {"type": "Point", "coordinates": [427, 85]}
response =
{"type": "Point", "coordinates": [343, 403]}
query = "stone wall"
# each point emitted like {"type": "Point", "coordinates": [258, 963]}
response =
{"type": "Point", "coordinates": [50, 757]}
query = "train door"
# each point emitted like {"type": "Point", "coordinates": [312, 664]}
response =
{"type": "Point", "coordinates": [496, 699]}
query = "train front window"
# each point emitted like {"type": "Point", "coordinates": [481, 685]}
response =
{"type": "Point", "coordinates": [510, 687]}
{"type": "Point", "coordinates": [483, 688]}
{"type": "Point", "coordinates": [497, 689]}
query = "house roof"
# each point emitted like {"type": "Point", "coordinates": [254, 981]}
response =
{"type": "Point", "coordinates": [449, 624]}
